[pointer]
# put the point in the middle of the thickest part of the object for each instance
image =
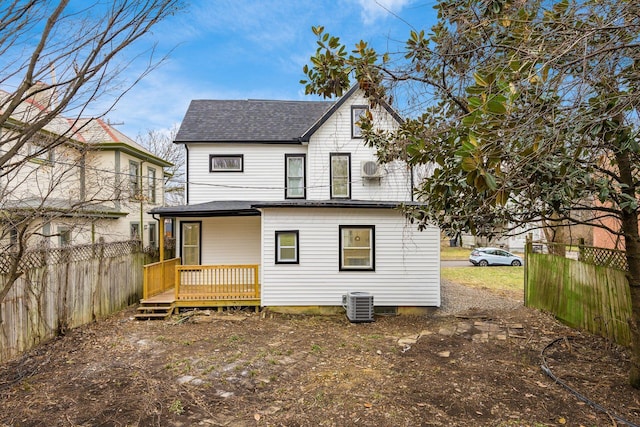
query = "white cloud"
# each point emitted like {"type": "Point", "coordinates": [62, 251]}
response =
{"type": "Point", "coordinates": [372, 10]}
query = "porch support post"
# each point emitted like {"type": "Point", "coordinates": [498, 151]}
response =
{"type": "Point", "coordinates": [161, 238]}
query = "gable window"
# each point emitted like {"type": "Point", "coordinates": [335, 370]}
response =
{"type": "Point", "coordinates": [226, 163]}
{"type": "Point", "coordinates": [340, 169]}
{"type": "Point", "coordinates": [357, 247]}
{"type": "Point", "coordinates": [134, 179]}
{"type": "Point", "coordinates": [151, 183]}
{"type": "Point", "coordinates": [357, 111]}
{"type": "Point", "coordinates": [287, 249]}
{"type": "Point", "coordinates": [295, 176]}
{"type": "Point", "coordinates": [190, 238]}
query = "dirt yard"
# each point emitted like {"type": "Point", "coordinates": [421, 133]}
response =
{"type": "Point", "coordinates": [237, 368]}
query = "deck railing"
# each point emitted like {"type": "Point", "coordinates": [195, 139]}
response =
{"type": "Point", "coordinates": [217, 282]}
{"type": "Point", "coordinates": [159, 277]}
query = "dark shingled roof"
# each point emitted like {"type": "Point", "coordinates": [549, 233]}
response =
{"type": "Point", "coordinates": [236, 207]}
{"type": "Point", "coordinates": [249, 120]}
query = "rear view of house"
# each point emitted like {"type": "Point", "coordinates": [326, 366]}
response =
{"type": "Point", "coordinates": [287, 207]}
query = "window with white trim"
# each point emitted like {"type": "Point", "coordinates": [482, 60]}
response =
{"type": "Point", "coordinates": [64, 236]}
{"type": "Point", "coordinates": [357, 247]}
{"type": "Point", "coordinates": [134, 179]}
{"type": "Point", "coordinates": [340, 170]}
{"type": "Point", "coordinates": [357, 111]}
{"type": "Point", "coordinates": [226, 163]}
{"type": "Point", "coordinates": [151, 183]}
{"type": "Point", "coordinates": [295, 176]}
{"type": "Point", "coordinates": [287, 248]}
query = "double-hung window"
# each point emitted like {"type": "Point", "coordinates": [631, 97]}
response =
{"type": "Point", "coordinates": [357, 111]}
{"type": "Point", "coordinates": [151, 184]}
{"type": "Point", "coordinates": [357, 247]}
{"type": "Point", "coordinates": [134, 179]}
{"type": "Point", "coordinates": [287, 248]}
{"type": "Point", "coordinates": [340, 169]}
{"type": "Point", "coordinates": [226, 163]}
{"type": "Point", "coordinates": [295, 176]}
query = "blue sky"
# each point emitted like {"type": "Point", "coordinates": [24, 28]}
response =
{"type": "Point", "coordinates": [242, 49]}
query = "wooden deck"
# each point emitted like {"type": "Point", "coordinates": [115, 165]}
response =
{"type": "Point", "coordinates": [169, 284]}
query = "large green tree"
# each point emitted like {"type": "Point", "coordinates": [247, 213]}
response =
{"type": "Point", "coordinates": [527, 112]}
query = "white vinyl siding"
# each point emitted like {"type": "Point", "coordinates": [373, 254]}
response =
{"type": "Point", "coordinates": [229, 240]}
{"type": "Point", "coordinates": [334, 136]}
{"type": "Point", "coordinates": [407, 261]}
{"type": "Point", "coordinates": [261, 179]}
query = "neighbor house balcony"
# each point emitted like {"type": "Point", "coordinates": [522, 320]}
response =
{"type": "Point", "coordinates": [201, 285]}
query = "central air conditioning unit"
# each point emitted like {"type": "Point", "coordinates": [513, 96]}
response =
{"type": "Point", "coordinates": [359, 306]}
{"type": "Point", "coordinates": [370, 169]}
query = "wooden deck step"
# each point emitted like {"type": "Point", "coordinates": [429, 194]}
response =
{"type": "Point", "coordinates": [154, 310]}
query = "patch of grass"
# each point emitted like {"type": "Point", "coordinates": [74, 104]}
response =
{"type": "Point", "coordinates": [494, 278]}
{"type": "Point", "coordinates": [450, 254]}
{"type": "Point", "coordinates": [176, 407]}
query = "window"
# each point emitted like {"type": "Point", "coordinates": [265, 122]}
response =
{"type": "Point", "coordinates": [151, 183]}
{"type": "Point", "coordinates": [134, 230]}
{"type": "Point", "coordinates": [64, 236]}
{"type": "Point", "coordinates": [226, 163]}
{"type": "Point", "coordinates": [38, 153]}
{"type": "Point", "coordinates": [134, 179]}
{"type": "Point", "coordinates": [287, 249]}
{"type": "Point", "coordinates": [13, 236]}
{"type": "Point", "coordinates": [295, 176]}
{"type": "Point", "coordinates": [190, 238]}
{"type": "Point", "coordinates": [153, 240]}
{"type": "Point", "coordinates": [357, 111]}
{"type": "Point", "coordinates": [357, 247]}
{"type": "Point", "coordinates": [340, 175]}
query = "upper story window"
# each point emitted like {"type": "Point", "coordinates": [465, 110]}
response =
{"type": "Point", "coordinates": [151, 184]}
{"type": "Point", "coordinates": [357, 248]}
{"type": "Point", "coordinates": [134, 179]}
{"type": "Point", "coordinates": [340, 170]}
{"type": "Point", "coordinates": [39, 153]}
{"type": "Point", "coordinates": [226, 163]}
{"type": "Point", "coordinates": [357, 111]}
{"type": "Point", "coordinates": [295, 176]}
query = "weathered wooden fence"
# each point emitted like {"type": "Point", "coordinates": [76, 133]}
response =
{"type": "Point", "coordinates": [64, 288]}
{"type": "Point", "coordinates": [589, 292]}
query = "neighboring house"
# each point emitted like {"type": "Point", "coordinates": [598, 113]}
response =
{"type": "Point", "coordinates": [290, 188]}
{"type": "Point", "coordinates": [96, 184]}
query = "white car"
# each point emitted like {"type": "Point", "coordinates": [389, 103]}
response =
{"type": "Point", "coordinates": [494, 256]}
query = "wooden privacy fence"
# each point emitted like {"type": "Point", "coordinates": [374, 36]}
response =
{"type": "Point", "coordinates": [581, 293]}
{"type": "Point", "coordinates": [47, 299]}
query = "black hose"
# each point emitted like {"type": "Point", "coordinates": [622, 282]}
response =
{"type": "Point", "coordinates": [594, 405]}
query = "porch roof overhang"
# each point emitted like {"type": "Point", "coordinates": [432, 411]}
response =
{"type": "Point", "coordinates": [253, 208]}
{"type": "Point", "coordinates": [209, 209]}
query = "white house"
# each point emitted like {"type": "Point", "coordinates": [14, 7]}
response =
{"type": "Point", "coordinates": [93, 183]}
{"type": "Point", "coordinates": [291, 188]}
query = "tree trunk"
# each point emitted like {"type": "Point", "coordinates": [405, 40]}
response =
{"type": "Point", "coordinates": [629, 218]}
{"type": "Point", "coordinates": [632, 245]}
